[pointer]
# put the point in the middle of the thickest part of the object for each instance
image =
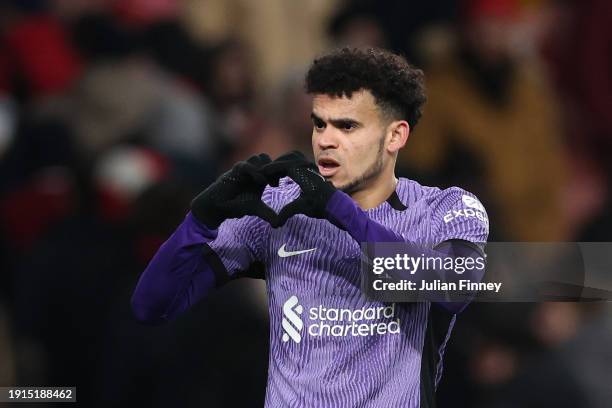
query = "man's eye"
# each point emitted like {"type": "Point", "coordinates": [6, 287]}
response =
{"type": "Point", "coordinates": [319, 125]}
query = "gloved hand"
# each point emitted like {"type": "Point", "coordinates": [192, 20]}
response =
{"type": "Point", "coordinates": [316, 191]}
{"type": "Point", "coordinates": [235, 194]}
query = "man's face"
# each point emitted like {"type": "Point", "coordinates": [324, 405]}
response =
{"type": "Point", "coordinates": [348, 139]}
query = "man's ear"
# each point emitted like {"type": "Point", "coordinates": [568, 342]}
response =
{"type": "Point", "coordinates": [399, 131]}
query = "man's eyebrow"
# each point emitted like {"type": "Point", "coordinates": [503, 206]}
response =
{"type": "Point", "coordinates": [314, 117]}
{"type": "Point", "coordinates": [337, 122]}
{"type": "Point", "coordinates": [342, 122]}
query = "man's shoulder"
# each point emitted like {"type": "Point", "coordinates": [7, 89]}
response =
{"type": "Point", "coordinates": [454, 212]}
{"type": "Point", "coordinates": [412, 192]}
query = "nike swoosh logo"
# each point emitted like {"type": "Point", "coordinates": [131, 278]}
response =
{"type": "Point", "coordinates": [284, 254]}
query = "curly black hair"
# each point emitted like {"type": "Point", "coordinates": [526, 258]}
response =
{"type": "Point", "coordinates": [398, 87]}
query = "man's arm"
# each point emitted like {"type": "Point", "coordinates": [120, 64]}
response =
{"type": "Point", "coordinates": [177, 276]}
{"type": "Point", "coordinates": [342, 211]}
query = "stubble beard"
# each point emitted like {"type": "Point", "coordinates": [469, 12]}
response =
{"type": "Point", "coordinates": [370, 173]}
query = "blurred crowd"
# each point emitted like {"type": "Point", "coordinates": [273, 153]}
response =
{"type": "Point", "coordinates": [115, 113]}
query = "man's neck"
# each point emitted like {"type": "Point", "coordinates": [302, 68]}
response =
{"type": "Point", "coordinates": [373, 196]}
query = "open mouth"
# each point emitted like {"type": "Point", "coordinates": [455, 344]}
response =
{"type": "Point", "coordinates": [327, 166]}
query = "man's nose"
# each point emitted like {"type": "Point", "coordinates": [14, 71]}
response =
{"type": "Point", "coordinates": [327, 139]}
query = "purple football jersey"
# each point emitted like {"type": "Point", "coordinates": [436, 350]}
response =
{"type": "Point", "coordinates": [329, 345]}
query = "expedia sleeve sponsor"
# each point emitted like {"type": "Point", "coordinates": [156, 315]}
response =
{"type": "Point", "coordinates": [458, 214]}
{"type": "Point", "coordinates": [472, 208]}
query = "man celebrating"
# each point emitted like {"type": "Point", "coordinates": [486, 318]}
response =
{"type": "Point", "coordinates": [300, 225]}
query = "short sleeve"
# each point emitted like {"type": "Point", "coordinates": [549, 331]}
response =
{"type": "Point", "coordinates": [239, 249]}
{"type": "Point", "coordinates": [459, 215]}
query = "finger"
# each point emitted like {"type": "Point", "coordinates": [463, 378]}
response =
{"type": "Point", "coordinates": [280, 167]}
{"type": "Point", "coordinates": [273, 172]}
{"type": "Point", "coordinates": [253, 160]}
{"type": "Point", "coordinates": [259, 160]}
{"type": "Point", "coordinates": [264, 159]}
{"type": "Point", "coordinates": [247, 172]}
{"type": "Point", "coordinates": [263, 211]}
{"type": "Point", "coordinates": [308, 178]}
{"type": "Point", "coordinates": [295, 207]}
{"type": "Point", "coordinates": [291, 159]}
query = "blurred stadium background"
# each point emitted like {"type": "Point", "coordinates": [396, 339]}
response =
{"type": "Point", "coordinates": [113, 114]}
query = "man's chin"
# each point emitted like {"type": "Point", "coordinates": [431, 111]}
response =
{"type": "Point", "coordinates": [346, 187]}
{"type": "Point", "coordinates": [343, 185]}
{"type": "Point", "coordinates": [352, 186]}
{"type": "Point", "coordinates": [337, 182]}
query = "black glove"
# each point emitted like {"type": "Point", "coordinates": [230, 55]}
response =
{"type": "Point", "coordinates": [235, 194]}
{"type": "Point", "coordinates": [316, 191]}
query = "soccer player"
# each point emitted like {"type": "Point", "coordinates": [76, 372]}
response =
{"type": "Point", "coordinates": [300, 225]}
